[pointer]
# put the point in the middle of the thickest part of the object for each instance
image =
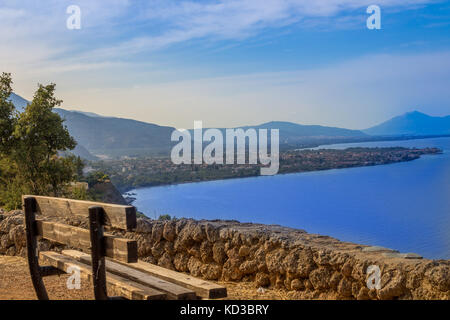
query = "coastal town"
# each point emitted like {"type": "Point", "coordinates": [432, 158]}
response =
{"type": "Point", "coordinates": [130, 173]}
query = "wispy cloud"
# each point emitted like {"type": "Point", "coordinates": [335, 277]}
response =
{"type": "Point", "coordinates": [241, 19]}
{"type": "Point", "coordinates": [119, 28]}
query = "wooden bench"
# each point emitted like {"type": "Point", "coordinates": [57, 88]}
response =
{"type": "Point", "coordinates": [112, 263]}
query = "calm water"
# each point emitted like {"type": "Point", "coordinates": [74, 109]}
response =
{"type": "Point", "coordinates": [405, 206]}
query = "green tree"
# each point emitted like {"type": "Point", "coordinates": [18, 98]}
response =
{"type": "Point", "coordinates": [96, 177]}
{"type": "Point", "coordinates": [32, 143]}
{"type": "Point", "coordinates": [7, 109]}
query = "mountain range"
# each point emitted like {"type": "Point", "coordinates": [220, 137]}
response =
{"type": "Point", "coordinates": [110, 137]}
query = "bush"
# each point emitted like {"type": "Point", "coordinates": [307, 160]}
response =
{"type": "Point", "coordinates": [165, 217]}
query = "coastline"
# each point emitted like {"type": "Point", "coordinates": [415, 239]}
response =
{"type": "Point", "coordinates": [434, 151]}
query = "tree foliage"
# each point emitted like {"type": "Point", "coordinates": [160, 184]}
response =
{"type": "Point", "coordinates": [7, 117]}
{"type": "Point", "coordinates": [31, 145]}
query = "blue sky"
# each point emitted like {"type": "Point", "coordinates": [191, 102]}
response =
{"type": "Point", "coordinates": [234, 62]}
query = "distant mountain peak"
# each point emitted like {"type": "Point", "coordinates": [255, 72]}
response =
{"type": "Point", "coordinates": [415, 113]}
{"type": "Point", "coordinates": [412, 123]}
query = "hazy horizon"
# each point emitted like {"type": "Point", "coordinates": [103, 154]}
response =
{"type": "Point", "coordinates": [241, 125]}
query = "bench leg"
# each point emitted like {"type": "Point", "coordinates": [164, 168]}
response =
{"type": "Point", "coordinates": [33, 261]}
{"type": "Point", "coordinates": [96, 221]}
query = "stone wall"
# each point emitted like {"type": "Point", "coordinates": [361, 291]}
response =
{"type": "Point", "coordinates": [315, 266]}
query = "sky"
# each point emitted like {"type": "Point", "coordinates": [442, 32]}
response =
{"type": "Point", "coordinates": [233, 62]}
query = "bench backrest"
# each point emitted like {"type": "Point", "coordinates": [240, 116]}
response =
{"type": "Point", "coordinates": [117, 216]}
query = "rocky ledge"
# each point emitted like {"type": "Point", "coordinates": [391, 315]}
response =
{"type": "Point", "coordinates": [314, 266]}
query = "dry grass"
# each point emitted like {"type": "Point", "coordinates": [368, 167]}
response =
{"type": "Point", "coordinates": [248, 291]}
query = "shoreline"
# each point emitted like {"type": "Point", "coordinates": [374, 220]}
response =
{"type": "Point", "coordinates": [439, 151]}
{"type": "Point", "coordinates": [124, 190]}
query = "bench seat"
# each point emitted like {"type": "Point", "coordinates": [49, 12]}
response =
{"type": "Point", "coordinates": [117, 285]}
{"type": "Point", "coordinates": [167, 280]}
{"type": "Point", "coordinates": [173, 291]}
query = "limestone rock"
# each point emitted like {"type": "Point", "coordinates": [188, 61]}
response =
{"type": "Point", "coordinates": [319, 278]}
{"type": "Point", "coordinates": [195, 251]}
{"type": "Point", "coordinates": [211, 271]}
{"type": "Point", "coordinates": [345, 288]}
{"type": "Point", "coordinates": [157, 232]}
{"type": "Point", "coordinates": [249, 267]}
{"type": "Point", "coordinates": [179, 225]}
{"type": "Point", "coordinates": [180, 261]}
{"type": "Point", "coordinates": [219, 254]}
{"type": "Point", "coordinates": [274, 261]}
{"type": "Point", "coordinates": [158, 250]}
{"type": "Point", "coordinates": [392, 287]}
{"type": "Point", "coordinates": [347, 269]}
{"type": "Point", "coordinates": [297, 285]}
{"type": "Point", "coordinates": [18, 236]}
{"type": "Point", "coordinates": [244, 251]}
{"type": "Point", "coordinates": [290, 262]}
{"type": "Point", "coordinates": [166, 261]}
{"type": "Point", "coordinates": [377, 249]}
{"type": "Point", "coordinates": [212, 233]}
{"type": "Point", "coordinates": [143, 226]}
{"type": "Point", "coordinates": [305, 263]}
{"type": "Point", "coordinates": [195, 266]}
{"type": "Point", "coordinates": [335, 279]}
{"type": "Point", "coordinates": [231, 270]}
{"type": "Point", "coordinates": [169, 231]}
{"type": "Point", "coordinates": [199, 234]}
{"type": "Point", "coordinates": [262, 280]}
{"type": "Point", "coordinates": [206, 252]}
{"type": "Point", "coordinates": [323, 258]}
{"type": "Point", "coordinates": [439, 277]}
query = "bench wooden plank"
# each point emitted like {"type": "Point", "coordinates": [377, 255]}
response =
{"type": "Point", "coordinates": [172, 290]}
{"type": "Point", "coordinates": [202, 288]}
{"type": "Point", "coordinates": [117, 248]}
{"type": "Point", "coordinates": [117, 285]}
{"type": "Point", "coordinates": [117, 216]}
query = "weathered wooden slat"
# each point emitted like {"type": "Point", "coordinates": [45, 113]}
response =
{"type": "Point", "coordinates": [202, 288]}
{"type": "Point", "coordinates": [117, 248]}
{"type": "Point", "coordinates": [116, 285]}
{"type": "Point", "coordinates": [117, 216]}
{"type": "Point", "coordinates": [172, 290]}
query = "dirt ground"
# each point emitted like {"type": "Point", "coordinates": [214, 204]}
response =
{"type": "Point", "coordinates": [15, 284]}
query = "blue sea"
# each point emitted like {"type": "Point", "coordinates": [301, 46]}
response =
{"type": "Point", "coordinates": [404, 206]}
